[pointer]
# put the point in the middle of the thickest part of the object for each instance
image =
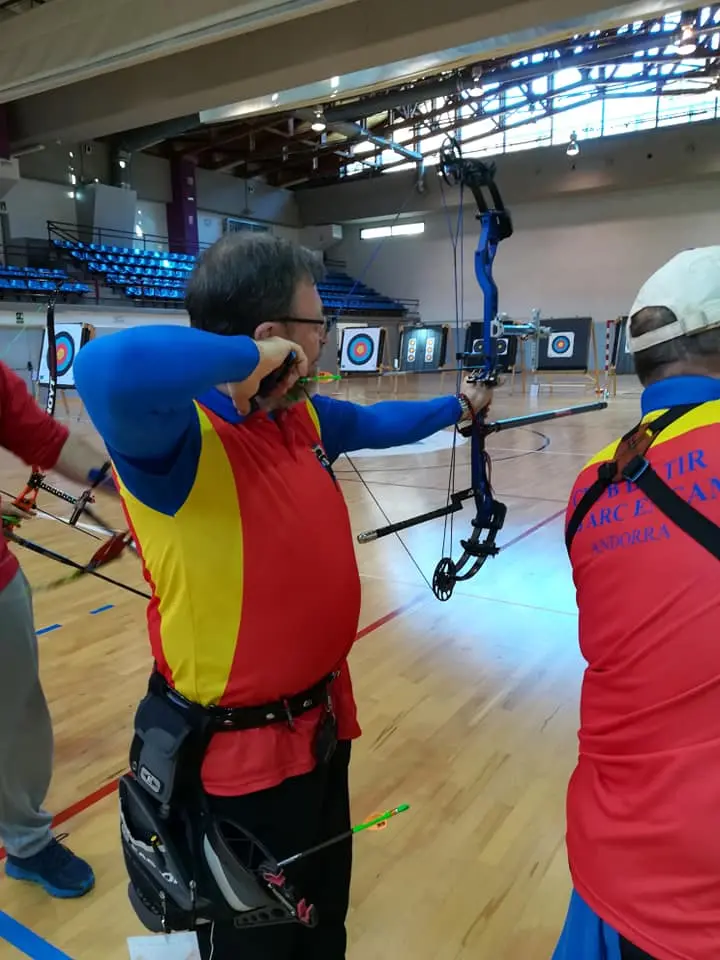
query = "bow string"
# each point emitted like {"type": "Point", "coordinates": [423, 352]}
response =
{"type": "Point", "coordinates": [481, 367]}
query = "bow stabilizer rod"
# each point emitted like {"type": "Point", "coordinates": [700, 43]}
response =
{"type": "Point", "coordinates": [457, 499]}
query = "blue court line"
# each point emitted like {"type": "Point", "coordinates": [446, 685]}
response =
{"type": "Point", "coordinates": [57, 626]}
{"type": "Point", "coordinates": [27, 942]}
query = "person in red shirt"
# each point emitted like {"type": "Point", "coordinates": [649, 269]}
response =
{"type": "Point", "coordinates": [26, 736]}
{"type": "Point", "coordinates": [644, 542]}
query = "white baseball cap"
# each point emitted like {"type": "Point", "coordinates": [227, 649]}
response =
{"type": "Point", "coordinates": [689, 285]}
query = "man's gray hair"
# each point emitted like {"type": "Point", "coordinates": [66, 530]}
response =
{"type": "Point", "coordinates": [246, 279]}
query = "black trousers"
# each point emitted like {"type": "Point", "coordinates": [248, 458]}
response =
{"type": "Point", "coordinates": [630, 952]}
{"type": "Point", "coordinates": [297, 814]}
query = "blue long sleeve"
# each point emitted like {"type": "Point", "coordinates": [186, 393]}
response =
{"type": "Point", "coordinates": [392, 423]}
{"type": "Point", "coordinates": [138, 387]}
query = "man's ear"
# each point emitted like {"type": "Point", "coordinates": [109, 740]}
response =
{"type": "Point", "coordinates": [264, 331]}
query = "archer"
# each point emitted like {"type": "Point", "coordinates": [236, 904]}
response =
{"type": "Point", "coordinates": [227, 479]}
{"type": "Point", "coordinates": [26, 736]}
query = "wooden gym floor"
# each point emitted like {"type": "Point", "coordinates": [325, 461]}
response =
{"type": "Point", "coordinates": [469, 708]}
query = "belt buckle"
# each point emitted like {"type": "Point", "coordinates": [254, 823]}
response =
{"type": "Point", "coordinates": [288, 713]}
{"type": "Point", "coordinates": [635, 469]}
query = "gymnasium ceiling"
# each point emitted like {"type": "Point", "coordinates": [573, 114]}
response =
{"type": "Point", "coordinates": [238, 86]}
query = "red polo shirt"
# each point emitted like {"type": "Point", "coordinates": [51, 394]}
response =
{"type": "Point", "coordinates": [643, 805]}
{"type": "Point", "coordinates": [29, 433]}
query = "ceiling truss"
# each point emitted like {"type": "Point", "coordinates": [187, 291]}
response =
{"type": "Point", "coordinates": [672, 56]}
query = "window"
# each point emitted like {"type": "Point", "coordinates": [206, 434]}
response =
{"type": "Point", "coordinates": [397, 230]}
{"type": "Point", "coordinates": [238, 225]}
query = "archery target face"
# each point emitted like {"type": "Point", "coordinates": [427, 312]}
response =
{"type": "Point", "coordinates": [477, 346]}
{"type": "Point", "coordinates": [429, 349]}
{"type": "Point", "coordinates": [64, 353]}
{"type": "Point", "coordinates": [68, 340]}
{"type": "Point", "coordinates": [561, 345]}
{"type": "Point", "coordinates": [360, 349]}
{"type": "Point", "coordinates": [412, 346]}
{"type": "Point", "coordinates": [503, 347]}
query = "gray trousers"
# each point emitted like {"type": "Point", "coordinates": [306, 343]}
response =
{"type": "Point", "coordinates": [26, 737]}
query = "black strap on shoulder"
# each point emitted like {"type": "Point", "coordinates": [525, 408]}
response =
{"type": "Point", "coordinates": [687, 518]}
{"type": "Point", "coordinates": [611, 471]}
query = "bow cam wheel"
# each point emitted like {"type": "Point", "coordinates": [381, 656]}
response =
{"type": "Point", "coordinates": [451, 162]}
{"type": "Point", "coordinates": [443, 581]}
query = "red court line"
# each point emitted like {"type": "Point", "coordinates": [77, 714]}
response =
{"type": "Point", "coordinates": [72, 811]}
{"type": "Point", "coordinates": [109, 788]}
{"type": "Point", "coordinates": [533, 529]}
{"type": "Point", "coordinates": [397, 612]}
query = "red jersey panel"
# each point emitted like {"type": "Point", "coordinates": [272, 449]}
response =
{"type": "Point", "coordinates": [643, 805]}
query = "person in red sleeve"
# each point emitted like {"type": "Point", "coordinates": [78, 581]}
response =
{"type": "Point", "coordinates": [26, 737]}
{"type": "Point", "coordinates": [643, 532]}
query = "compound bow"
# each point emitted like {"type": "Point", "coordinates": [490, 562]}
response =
{"type": "Point", "coordinates": [490, 513]}
{"type": "Point", "coordinates": [110, 548]}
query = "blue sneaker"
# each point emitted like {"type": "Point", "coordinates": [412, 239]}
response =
{"type": "Point", "coordinates": [54, 868]}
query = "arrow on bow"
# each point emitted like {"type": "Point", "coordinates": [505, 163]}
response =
{"type": "Point", "coordinates": [490, 513]}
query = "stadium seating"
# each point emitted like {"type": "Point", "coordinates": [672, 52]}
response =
{"type": "Point", "coordinates": [152, 275]}
{"type": "Point", "coordinates": [29, 281]}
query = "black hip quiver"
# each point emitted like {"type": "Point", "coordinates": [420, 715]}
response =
{"type": "Point", "coordinates": [187, 867]}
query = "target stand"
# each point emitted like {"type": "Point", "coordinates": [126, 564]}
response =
{"type": "Point", "coordinates": [570, 350]}
{"type": "Point", "coordinates": [70, 338]}
{"type": "Point", "coordinates": [361, 353]}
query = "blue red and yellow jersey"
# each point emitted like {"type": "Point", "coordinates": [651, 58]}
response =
{"type": "Point", "coordinates": [255, 587]}
{"type": "Point", "coordinates": [644, 798]}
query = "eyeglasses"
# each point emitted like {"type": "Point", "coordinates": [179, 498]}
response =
{"type": "Point", "coordinates": [326, 323]}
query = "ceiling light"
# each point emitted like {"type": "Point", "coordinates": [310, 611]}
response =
{"type": "Point", "coordinates": [318, 125]}
{"type": "Point", "coordinates": [687, 45]}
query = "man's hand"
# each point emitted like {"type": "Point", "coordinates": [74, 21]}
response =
{"type": "Point", "coordinates": [15, 513]}
{"type": "Point", "coordinates": [479, 396]}
{"type": "Point", "coordinates": [273, 353]}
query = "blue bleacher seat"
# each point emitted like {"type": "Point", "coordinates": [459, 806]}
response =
{"type": "Point", "coordinates": [163, 275]}
{"type": "Point", "coordinates": [38, 280]}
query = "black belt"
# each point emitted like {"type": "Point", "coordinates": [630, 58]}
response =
{"type": "Point", "coordinates": [248, 718]}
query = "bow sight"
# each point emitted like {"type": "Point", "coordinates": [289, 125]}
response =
{"type": "Point", "coordinates": [495, 226]}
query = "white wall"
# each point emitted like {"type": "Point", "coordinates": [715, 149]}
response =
{"type": "Point", "coordinates": [21, 341]}
{"type": "Point", "coordinates": [210, 228]}
{"type": "Point", "coordinates": [571, 256]}
{"type": "Point", "coordinates": [103, 318]}
{"type": "Point", "coordinates": [152, 218]}
{"type": "Point", "coordinates": [31, 203]}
